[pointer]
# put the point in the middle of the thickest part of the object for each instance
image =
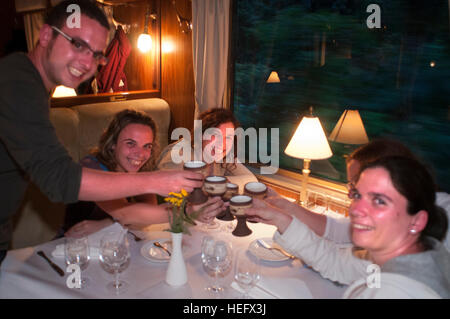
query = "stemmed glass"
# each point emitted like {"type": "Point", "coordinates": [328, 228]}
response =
{"type": "Point", "coordinates": [76, 251]}
{"type": "Point", "coordinates": [197, 196]}
{"type": "Point", "coordinates": [216, 259]}
{"type": "Point", "coordinates": [115, 257]}
{"type": "Point", "coordinates": [238, 205]}
{"type": "Point", "coordinates": [215, 186]}
{"type": "Point", "coordinates": [246, 272]}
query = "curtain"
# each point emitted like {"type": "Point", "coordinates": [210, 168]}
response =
{"type": "Point", "coordinates": [33, 18]}
{"type": "Point", "coordinates": [210, 42]}
{"type": "Point", "coordinates": [33, 23]}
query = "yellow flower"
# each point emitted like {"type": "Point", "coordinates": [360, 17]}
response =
{"type": "Point", "coordinates": [184, 193]}
{"type": "Point", "coordinates": [176, 195]}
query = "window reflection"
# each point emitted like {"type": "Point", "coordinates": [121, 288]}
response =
{"type": "Point", "coordinates": [326, 56]}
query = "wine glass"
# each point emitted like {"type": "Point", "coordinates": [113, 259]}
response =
{"type": "Point", "coordinates": [216, 259]}
{"type": "Point", "coordinates": [76, 251]}
{"type": "Point", "coordinates": [246, 272]}
{"type": "Point", "coordinates": [115, 257]}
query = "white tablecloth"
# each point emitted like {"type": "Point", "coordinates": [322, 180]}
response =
{"type": "Point", "coordinates": [23, 274]}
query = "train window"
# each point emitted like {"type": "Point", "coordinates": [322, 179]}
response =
{"type": "Point", "coordinates": [388, 59]}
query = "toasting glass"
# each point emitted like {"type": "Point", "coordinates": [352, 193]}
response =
{"type": "Point", "coordinates": [238, 205]}
{"type": "Point", "coordinates": [215, 186]}
{"type": "Point", "coordinates": [197, 196]}
{"type": "Point", "coordinates": [232, 190]}
{"type": "Point", "coordinates": [255, 190]}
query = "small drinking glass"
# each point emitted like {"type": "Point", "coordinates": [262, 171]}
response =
{"type": "Point", "coordinates": [216, 260]}
{"type": "Point", "coordinates": [76, 251]}
{"type": "Point", "coordinates": [115, 257]}
{"type": "Point", "coordinates": [246, 272]}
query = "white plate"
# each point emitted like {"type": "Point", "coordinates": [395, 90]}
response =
{"type": "Point", "coordinates": [156, 254]}
{"type": "Point", "coordinates": [264, 253]}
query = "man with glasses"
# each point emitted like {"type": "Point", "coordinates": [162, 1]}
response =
{"type": "Point", "coordinates": [29, 147]}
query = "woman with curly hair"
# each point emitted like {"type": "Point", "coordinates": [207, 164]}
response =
{"type": "Point", "coordinates": [217, 151]}
{"type": "Point", "coordinates": [128, 145]}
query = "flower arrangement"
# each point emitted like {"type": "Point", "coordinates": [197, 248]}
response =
{"type": "Point", "coordinates": [179, 220]}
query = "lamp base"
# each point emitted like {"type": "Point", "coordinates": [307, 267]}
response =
{"type": "Point", "coordinates": [305, 172]}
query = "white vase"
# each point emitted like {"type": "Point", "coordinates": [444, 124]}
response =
{"type": "Point", "coordinates": [176, 272]}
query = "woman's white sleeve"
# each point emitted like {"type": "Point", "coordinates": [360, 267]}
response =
{"type": "Point", "coordinates": [332, 262]}
{"type": "Point", "coordinates": [338, 230]}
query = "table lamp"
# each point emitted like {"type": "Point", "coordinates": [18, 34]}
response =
{"type": "Point", "coordinates": [308, 143]}
{"type": "Point", "coordinates": [273, 77]}
{"type": "Point", "coordinates": [349, 129]}
{"type": "Point", "coordinates": [64, 91]}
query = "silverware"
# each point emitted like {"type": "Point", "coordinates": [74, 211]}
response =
{"type": "Point", "coordinates": [157, 244]}
{"type": "Point", "coordinates": [136, 238]}
{"type": "Point", "coordinates": [51, 263]}
{"type": "Point", "coordinates": [263, 244]}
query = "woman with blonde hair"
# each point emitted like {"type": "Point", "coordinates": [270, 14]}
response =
{"type": "Point", "coordinates": [394, 220]}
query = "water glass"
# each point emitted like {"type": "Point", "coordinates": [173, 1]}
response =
{"type": "Point", "coordinates": [76, 251]}
{"type": "Point", "coordinates": [115, 256]}
{"type": "Point", "coordinates": [216, 258]}
{"type": "Point", "coordinates": [246, 272]}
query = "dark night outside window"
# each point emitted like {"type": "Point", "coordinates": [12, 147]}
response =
{"type": "Point", "coordinates": [326, 56]}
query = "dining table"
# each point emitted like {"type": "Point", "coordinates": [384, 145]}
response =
{"type": "Point", "coordinates": [25, 274]}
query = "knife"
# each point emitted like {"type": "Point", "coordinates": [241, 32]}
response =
{"type": "Point", "coordinates": [51, 263]}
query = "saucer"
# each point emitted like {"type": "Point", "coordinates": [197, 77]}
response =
{"type": "Point", "coordinates": [156, 254]}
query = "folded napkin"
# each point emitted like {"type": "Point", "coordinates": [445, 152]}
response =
{"type": "Point", "coordinates": [277, 288]}
{"type": "Point", "coordinates": [93, 239]}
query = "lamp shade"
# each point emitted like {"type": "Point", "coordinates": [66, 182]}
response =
{"type": "Point", "coordinates": [309, 141]}
{"type": "Point", "coordinates": [63, 91]}
{"type": "Point", "coordinates": [273, 77]}
{"type": "Point", "coordinates": [349, 129]}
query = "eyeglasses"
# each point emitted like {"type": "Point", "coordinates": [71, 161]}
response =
{"type": "Point", "coordinates": [351, 190]}
{"type": "Point", "coordinates": [82, 47]}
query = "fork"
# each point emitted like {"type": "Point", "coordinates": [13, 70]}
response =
{"type": "Point", "coordinates": [262, 243]}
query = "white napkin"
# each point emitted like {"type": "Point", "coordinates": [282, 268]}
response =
{"type": "Point", "coordinates": [278, 288]}
{"type": "Point", "coordinates": [93, 239]}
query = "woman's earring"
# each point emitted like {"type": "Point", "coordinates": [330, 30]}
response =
{"type": "Point", "coordinates": [413, 231]}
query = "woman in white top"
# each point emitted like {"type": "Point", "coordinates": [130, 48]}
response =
{"type": "Point", "coordinates": [338, 230]}
{"type": "Point", "coordinates": [394, 220]}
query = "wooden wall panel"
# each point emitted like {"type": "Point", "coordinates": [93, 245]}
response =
{"type": "Point", "coordinates": [177, 78]}
{"type": "Point", "coordinates": [142, 69]}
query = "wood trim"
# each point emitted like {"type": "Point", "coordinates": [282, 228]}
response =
{"type": "Point", "coordinates": [177, 74]}
{"type": "Point", "coordinates": [102, 97]}
{"type": "Point", "coordinates": [322, 192]}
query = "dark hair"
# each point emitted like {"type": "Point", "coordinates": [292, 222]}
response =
{"type": "Point", "coordinates": [377, 149]}
{"type": "Point", "coordinates": [413, 180]}
{"type": "Point", "coordinates": [213, 118]}
{"type": "Point", "coordinates": [58, 14]}
{"type": "Point", "coordinates": [105, 152]}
